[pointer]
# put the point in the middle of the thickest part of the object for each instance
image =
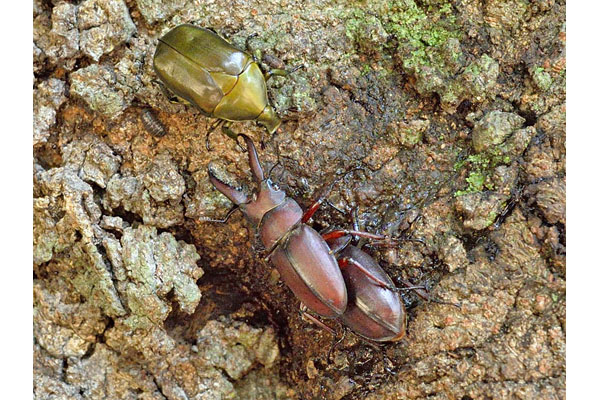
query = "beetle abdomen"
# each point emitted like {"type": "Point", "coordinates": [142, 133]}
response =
{"type": "Point", "coordinates": [206, 49]}
{"type": "Point", "coordinates": [186, 79]}
{"type": "Point", "coordinates": [312, 273]}
{"type": "Point", "coordinates": [374, 312]}
{"type": "Point", "coordinates": [364, 325]}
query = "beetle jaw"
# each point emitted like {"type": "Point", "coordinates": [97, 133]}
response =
{"type": "Point", "coordinates": [269, 119]}
{"type": "Point", "coordinates": [236, 196]}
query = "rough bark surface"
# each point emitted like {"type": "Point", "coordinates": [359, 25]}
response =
{"type": "Point", "coordinates": [455, 110]}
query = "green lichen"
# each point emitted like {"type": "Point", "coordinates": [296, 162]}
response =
{"type": "Point", "coordinates": [476, 181]}
{"type": "Point", "coordinates": [424, 39]}
{"type": "Point", "coordinates": [417, 36]}
{"type": "Point", "coordinates": [492, 216]}
{"type": "Point", "coordinates": [542, 79]}
{"type": "Point", "coordinates": [157, 264]}
{"type": "Point", "coordinates": [475, 82]}
{"type": "Point", "coordinates": [497, 141]}
{"type": "Point", "coordinates": [366, 69]}
{"type": "Point", "coordinates": [481, 167]}
{"type": "Point", "coordinates": [90, 276]}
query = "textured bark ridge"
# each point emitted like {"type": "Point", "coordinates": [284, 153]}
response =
{"type": "Point", "coordinates": [455, 112]}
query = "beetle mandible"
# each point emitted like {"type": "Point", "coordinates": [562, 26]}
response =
{"type": "Point", "coordinates": [307, 264]}
{"type": "Point", "coordinates": [223, 82]}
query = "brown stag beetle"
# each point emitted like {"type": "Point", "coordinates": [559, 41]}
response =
{"type": "Point", "coordinates": [307, 264]}
{"type": "Point", "coordinates": [375, 309]}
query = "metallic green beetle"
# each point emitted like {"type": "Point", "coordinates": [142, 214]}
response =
{"type": "Point", "coordinates": [222, 81]}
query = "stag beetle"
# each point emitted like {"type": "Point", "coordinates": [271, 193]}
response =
{"type": "Point", "coordinates": [375, 309]}
{"type": "Point", "coordinates": [307, 263]}
{"type": "Point", "coordinates": [222, 81]}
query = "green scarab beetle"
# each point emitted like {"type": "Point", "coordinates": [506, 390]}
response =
{"type": "Point", "coordinates": [223, 82]}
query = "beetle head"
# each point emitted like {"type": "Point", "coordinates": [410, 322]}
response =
{"type": "Point", "coordinates": [266, 198]}
{"type": "Point", "coordinates": [269, 119]}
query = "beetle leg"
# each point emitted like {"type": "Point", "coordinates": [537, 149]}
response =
{"type": "Point", "coordinates": [336, 343]}
{"type": "Point", "coordinates": [248, 38]}
{"type": "Point", "coordinates": [211, 129]}
{"type": "Point", "coordinates": [172, 98]}
{"type": "Point", "coordinates": [281, 72]}
{"type": "Point", "coordinates": [178, 100]}
{"type": "Point", "coordinates": [311, 210]}
{"type": "Point", "coordinates": [416, 288]}
{"type": "Point", "coordinates": [356, 226]}
{"type": "Point", "coordinates": [394, 242]}
{"type": "Point", "coordinates": [379, 240]}
{"type": "Point", "coordinates": [330, 204]}
{"type": "Point", "coordinates": [307, 316]}
{"type": "Point", "coordinates": [343, 232]}
{"type": "Point", "coordinates": [322, 197]}
{"type": "Point", "coordinates": [226, 129]}
{"type": "Point", "coordinates": [422, 293]}
{"type": "Point", "coordinates": [275, 72]}
{"type": "Point", "coordinates": [221, 221]}
{"type": "Point", "coordinates": [336, 246]}
{"type": "Point", "coordinates": [163, 89]}
{"type": "Point", "coordinates": [346, 261]}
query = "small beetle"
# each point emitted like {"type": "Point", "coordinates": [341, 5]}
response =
{"type": "Point", "coordinates": [375, 309]}
{"type": "Point", "coordinates": [222, 81]}
{"type": "Point", "coordinates": [306, 262]}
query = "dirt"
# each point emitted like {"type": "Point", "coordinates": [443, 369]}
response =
{"type": "Point", "coordinates": [454, 111]}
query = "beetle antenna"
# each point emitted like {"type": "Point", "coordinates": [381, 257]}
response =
{"type": "Point", "coordinates": [221, 221]}
{"type": "Point", "coordinates": [422, 292]}
{"type": "Point", "coordinates": [272, 168]}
